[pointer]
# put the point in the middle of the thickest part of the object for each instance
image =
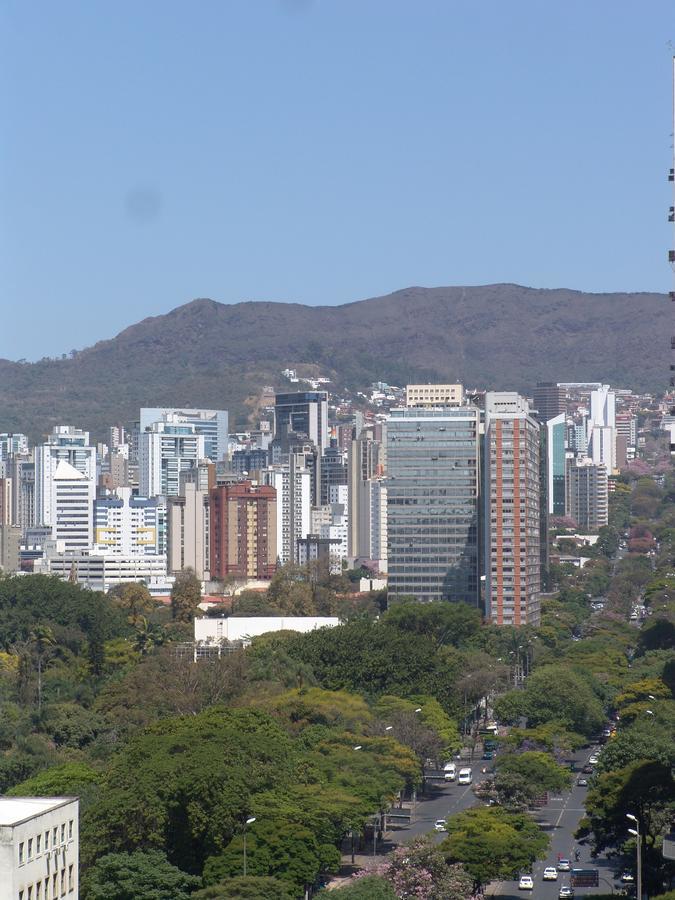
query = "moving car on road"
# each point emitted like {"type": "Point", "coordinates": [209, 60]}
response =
{"type": "Point", "coordinates": [582, 782]}
{"type": "Point", "coordinates": [550, 873]}
{"type": "Point", "coordinates": [563, 864]}
{"type": "Point", "coordinates": [465, 776]}
{"type": "Point", "coordinates": [565, 893]}
{"type": "Point", "coordinates": [593, 759]}
{"type": "Point", "coordinates": [440, 825]}
{"type": "Point", "coordinates": [627, 877]}
{"type": "Point", "coordinates": [450, 770]}
{"type": "Point", "coordinates": [526, 883]}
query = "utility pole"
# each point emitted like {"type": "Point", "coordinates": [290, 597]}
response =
{"type": "Point", "coordinates": [638, 851]}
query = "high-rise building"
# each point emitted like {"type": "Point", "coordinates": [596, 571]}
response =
{"type": "Point", "coordinates": [602, 428]}
{"type": "Point", "coordinates": [587, 494]}
{"type": "Point", "coordinates": [10, 543]}
{"type": "Point", "coordinates": [64, 445]}
{"type": "Point", "coordinates": [556, 465]}
{"type": "Point", "coordinates": [70, 504]}
{"type": "Point", "coordinates": [512, 510]}
{"type": "Point", "coordinates": [432, 503]}
{"type": "Point", "coordinates": [166, 449]}
{"type": "Point", "coordinates": [421, 395]}
{"type": "Point", "coordinates": [333, 470]}
{"type": "Point", "coordinates": [212, 424]}
{"type": "Point", "coordinates": [127, 524]}
{"type": "Point", "coordinates": [367, 499]}
{"type": "Point", "coordinates": [188, 530]}
{"type": "Point", "coordinates": [293, 485]}
{"type": "Point", "coordinates": [243, 520]}
{"type": "Point", "coordinates": [22, 473]}
{"type": "Point", "coordinates": [302, 413]}
{"type": "Point", "coordinates": [549, 400]}
{"type": "Point", "coordinates": [12, 445]}
{"type": "Point", "coordinates": [6, 503]}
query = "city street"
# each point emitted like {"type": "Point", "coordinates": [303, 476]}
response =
{"type": "Point", "coordinates": [560, 819]}
{"type": "Point", "coordinates": [438, 803]}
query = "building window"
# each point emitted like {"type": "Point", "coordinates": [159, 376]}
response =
{"type": "Point", "coordinates": [63, 833]}
{"type": "Point", "coordinates": [63, 881]}
{"type": "Point", "coordinates": [46, 840]}
{"type": "Point", "coordinates": [30, 892]}
{"type": "Point", "coordinates": [55, 885]}
{"type": "Point", "coordinates": [20, 895]}
{"type": "Point", "coordinates": [46, 888]}
{"type": "Point", "coordinates": [38, 890]}
{"type": "Point", "coordinates": [70, 830]}
{"type": "Point", "coordinates": [30, 848]}
{"type": "Point", "coordinates": [55, 837]}
{"type": "Point", "coordinates": [38, 841]}
{"type": "Point", "coordinates": [71, 880]}
{"type": "Point", "coordinates": [21, 853]}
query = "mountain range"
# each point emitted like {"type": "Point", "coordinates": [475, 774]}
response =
{"type": "Point", "coordinates": [209, 354]}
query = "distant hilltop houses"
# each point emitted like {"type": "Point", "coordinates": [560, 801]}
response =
{"type": "Point", "coordinates": [439, 491]}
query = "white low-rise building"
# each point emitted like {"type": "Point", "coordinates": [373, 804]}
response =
{"type": "Point", "coordinates": [100, 572]}
{"type": "Point", "coordinates": [244, 628]}
{"type": "Point", "coordinates": [39, 848]}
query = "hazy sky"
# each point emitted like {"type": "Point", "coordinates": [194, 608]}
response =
{"type": "Point", "coordinates": [322, 151]}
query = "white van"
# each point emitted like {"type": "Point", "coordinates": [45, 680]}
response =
{"type": "Point", "coordinates": [465, 776]}
{"type": "Point", "coordinates": [450, 771]}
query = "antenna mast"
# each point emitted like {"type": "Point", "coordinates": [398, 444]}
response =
{"type": "Point", "coordinates": [671, 260]}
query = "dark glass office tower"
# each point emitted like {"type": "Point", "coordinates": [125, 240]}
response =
{"type": "Point", "coordinates": [432, 504]}
{"type": "Point", "coordinates": [304, 413]}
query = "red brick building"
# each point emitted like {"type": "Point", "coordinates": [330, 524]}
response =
{"type": "Point", "coordinates": [243, 530]}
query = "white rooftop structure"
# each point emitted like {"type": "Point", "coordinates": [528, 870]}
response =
{"type": "Point", "coordinates": [244, 628]}
{"type": "Point", "coordinates": [15, 810]}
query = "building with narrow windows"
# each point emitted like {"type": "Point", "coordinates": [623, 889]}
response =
{"type": "Point", "coordinates": [64, 445]}
{"type": "Point", "coordinates": [188, 525]}
{"type": "Point", "coordinates": [301, 413]}
{"type": "Point", "coordinates": [165, 450]}
{"type": "Point", "coordinates": [39, 848]}
{"type": "Point", "coordinates": [243, 530]}
{"type": "Point", "coordinates": [212, 424]}
{"type": "Point", "coordinates": [587, 494]}
{"type": "Point", "coordinates": [511, 500]}
{"type": "Point", "coordinates": [432, 503]}
{"type": "Point", "coordinates": [293, 484]}
{"type": "Point", "coordinates": [549, 400]}
{"type": "Point", "coordinates": [420, 395]}
{"type": "Point", "coordinates": [125, 523]}
{"type": "Point", "coordinates": [556, 465]}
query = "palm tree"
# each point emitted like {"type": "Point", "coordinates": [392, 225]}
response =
{"type": "Point", "coordinates": [42, 641]}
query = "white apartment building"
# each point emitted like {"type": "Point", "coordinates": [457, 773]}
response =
{"type": "Point", "coordinates": [100, 572]}
{"type": "Point", "coordinates": [12, 445]}
{"type": "Point", "coordinates": [64, 445]}
{"type": "Point", "coordinates": [244, 628]}
{"type": "Point", "coordinates": [602, 428]}
{"type": "Point", "coordinates": [126, 524]}
{"type": "Point", "coordinates": [39, 848]}
{"type": "Point", "coordinates": [293, 485]}
{"type": "Point", "coordinates": [587, 494]}
{"type": "Point", "coordinates": [166, 449]}
{"type": "Point", "coordinates": [71, 507]}
{"type": "Point", "coordinates": [211, 423]}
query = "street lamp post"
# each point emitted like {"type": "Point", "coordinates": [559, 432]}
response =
{"type": "Point", "coordinates": [636, 831]}
{"type": "Point", "coordinates": [248, 822]}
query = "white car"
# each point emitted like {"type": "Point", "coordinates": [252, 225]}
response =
{"type": "Point", "coordinates": [465, 776]}
{"type": "Point", "coordinates": [593, 759]}
{"type": "Point", "coordinates": [440, 825]}
{"type": "Point", "coordinates": [450, 770]}
{"type": "Point", "coordinates": [525, 883]}
{"type": "Point", "coordinates": [565, 893]}
{"type": "Point", "coordinates": [550, 873]}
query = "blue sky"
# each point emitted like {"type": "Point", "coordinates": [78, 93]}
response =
{"type": "Point", "coordinates": [322, 151]}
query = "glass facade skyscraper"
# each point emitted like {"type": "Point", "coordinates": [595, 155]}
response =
{"type": "Point", "coordinates": [432, 503]}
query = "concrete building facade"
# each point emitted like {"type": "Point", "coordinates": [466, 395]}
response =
{"type": "Point", "coordinates": [165, 450]}
{"type": "Point", "coordinates": [39, 848]}
{"type": "Point", "coordinates": [212, 424]}
{"type": "Point", "coordinates": [512, 510]}
{"type": "Point", "coordinates": [587, 494]}
{"type": "Point", "coordinates": [421, 395]}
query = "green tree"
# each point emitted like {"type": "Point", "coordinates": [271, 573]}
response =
{"type": "Point", "coordinates": [42, 642]}
{"type": "Point", "coordinates": [444, 623]}
{"type": "Point", "coordinates": [66, 779]}
{"type": "Point", "coordinates": [522, 777]}
{"type": "Point", "coordinates": [186, 595]}
{"type": "Point", "coordinates": [252, 887]}
{"type": "Point", "coordinates": [274, 847]}
{"type": "Point", "coordinates": [134, 599]}
{"type": "Point", "coordinates": [492, 843]}
{"type": "Point", "coordinates": [137, 876]}
{"type": "Point", "coordinates": [554, 693]}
